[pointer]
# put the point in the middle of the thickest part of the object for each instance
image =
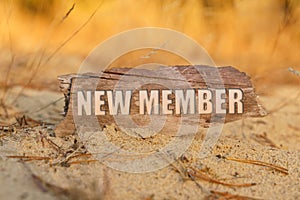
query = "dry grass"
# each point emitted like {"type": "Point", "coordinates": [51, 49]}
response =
{"type": "Point", "coordinates": [260, 38]}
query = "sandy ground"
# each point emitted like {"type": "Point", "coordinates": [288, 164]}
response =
{"type": "Point", "coordinates": [56, 174]}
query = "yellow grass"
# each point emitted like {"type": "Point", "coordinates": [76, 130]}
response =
{"type": "Point", "coordinates": [259, 37]}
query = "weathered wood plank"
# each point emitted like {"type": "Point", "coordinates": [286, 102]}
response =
{"type": "Point", "coordinates": [175, 77]}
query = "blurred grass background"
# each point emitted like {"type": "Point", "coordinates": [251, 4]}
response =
{"type": "Point", "coordinates": [39, 39]}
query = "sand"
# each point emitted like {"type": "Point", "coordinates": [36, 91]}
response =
{"type": "Point", "coordinates": [273, 139]}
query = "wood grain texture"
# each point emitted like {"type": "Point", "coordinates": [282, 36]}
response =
{"type": "Point", "coordinates": [173, 77]}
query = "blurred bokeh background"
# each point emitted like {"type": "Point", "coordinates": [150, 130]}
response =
{"type": "Point", "coordinates": [40, 39]}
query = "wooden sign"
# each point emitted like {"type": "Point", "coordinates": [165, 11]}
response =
{"type": "Point", "coordinates": [196, 93]}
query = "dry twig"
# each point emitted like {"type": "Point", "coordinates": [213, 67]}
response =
{"type": "Point", "coordinates": [260, 163]}
{"type": "Point", "coordinates": [198, 174]}
{"type": "Point", "coordinates": [81, 161]}
{"type": "Point", "coordinates": [68, 13]}
{"type": "Point", "coordinates": [64, 43]}
{"type": "Point", "coordinates": [30, 158]}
